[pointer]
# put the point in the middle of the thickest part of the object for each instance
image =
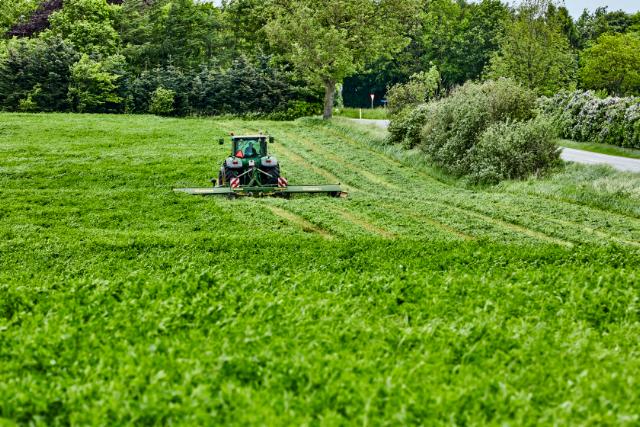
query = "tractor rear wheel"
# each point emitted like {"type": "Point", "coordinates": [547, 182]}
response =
{"type": "Point", "coordinates": [274, 174]}
{"type": "Point", "coordinates": [228, 174]}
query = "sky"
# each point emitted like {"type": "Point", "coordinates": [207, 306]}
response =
{"type": "Point", "coordinates": [577, 6]}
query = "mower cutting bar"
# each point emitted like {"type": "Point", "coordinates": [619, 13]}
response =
{"type": "Point", "coordinates": [292, 189]}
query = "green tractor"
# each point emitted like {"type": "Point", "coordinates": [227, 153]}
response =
{"type": "Point", "coordinates": [251, 171]}
{"type": "Point", "coordinates": [250, 164]}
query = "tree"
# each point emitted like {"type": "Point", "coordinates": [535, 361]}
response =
{"type": "Point", "coordinates": [534, 52]}
{"type": "Point", "coordinates": [36, 70]}
{"type": "Point", "coordinates": [162, 102]}
{"type": "Point", "coordinates": [182, 33]}
{"type": "Point", "coordinates": [591, 26]}
{"type": "Point", "coordinates": [565, 23]}
{"type": "Point", "coordinates": [419, 89]}
{"type": "Point", "coordinates": [612, 64]}
{"type": "Point", "coordinates": [88, 24]}
{"type": "Point", "coordinates": [15, 12]}
{"type": "Point", "coordinates": [94, 85]}
{"type": "Point", "coordinates": [328, 40]}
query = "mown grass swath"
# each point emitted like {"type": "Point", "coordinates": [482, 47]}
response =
{"type": "Point", "coordinates": [417, 300]}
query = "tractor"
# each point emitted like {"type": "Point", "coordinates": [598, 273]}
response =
{"type": "Point", "coordinates": [251, 171]}
{"type": "Point", "coordinates": [250, 164]}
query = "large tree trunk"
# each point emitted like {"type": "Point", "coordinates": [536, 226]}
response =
{"type": "Point", "coordinates": [329, 96]}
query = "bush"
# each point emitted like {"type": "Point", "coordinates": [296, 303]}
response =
{"type": "Point", "coordinates": [406, 127]}
{"type": "Point", "coordinates": [162, 102]}
{"type": "Point", "coordinates": [296, 109]}
{"type": "Point", "coordinates": [511, 150]}
{"type": "Point", "coordinates": [420, 88]}
{"type": "Point", "coordinates": [482, 131]}
{"type": "Point", "coordinates": [585, 117]}
{"type": "Point", "coordinates": [36, 68]}
{"type": "Point", "coordinates": [94, 86]}
{"type": "Point", "coordinates": [455, 124]}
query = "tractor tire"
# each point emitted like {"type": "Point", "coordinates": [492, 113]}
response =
{"type": "Point", "coordinates": [275, 174]}
{"type": "Point", "coordinates": [228, 174]}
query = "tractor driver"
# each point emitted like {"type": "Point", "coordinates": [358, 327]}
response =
{"type": "Point", "coordinates": [247, 149]}
{"type": "Point", "coordinates": [250, 151]}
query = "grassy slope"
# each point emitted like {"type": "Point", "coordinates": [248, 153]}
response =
{"type": "Point", "coordinates": [415, 300]}
{"type": "Point", "coordinates": [601, 148]}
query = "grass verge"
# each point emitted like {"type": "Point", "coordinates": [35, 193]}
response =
{"type": "Point", "coordinates": [367, 113]}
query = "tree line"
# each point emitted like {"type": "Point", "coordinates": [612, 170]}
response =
{"type": "Point", "coordinates": [286, 58]}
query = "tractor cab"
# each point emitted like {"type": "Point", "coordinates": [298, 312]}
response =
{"type": "Point", "coordinates": [251, 146]}
{"type": "Point", "coordinates": [248, 147]}
{"type": "Point", "coordinates": [250, 163]}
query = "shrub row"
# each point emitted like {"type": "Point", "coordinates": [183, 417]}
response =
{"type": "Point", "coordinates": [583, 116]}
{"type": "Point", "coordinates": [50, 75]}
{"type": "Point", "coordinates": [486, 132]}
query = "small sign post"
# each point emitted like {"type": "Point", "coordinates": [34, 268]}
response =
{"type": "Point", "coordinates": [373, 96]}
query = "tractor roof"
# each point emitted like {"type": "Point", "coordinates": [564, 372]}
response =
{"type": "Point", "coordinates": [248, 136]}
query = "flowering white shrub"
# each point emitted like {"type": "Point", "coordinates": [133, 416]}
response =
{"type": "Point", "coordinates": [583, 116]}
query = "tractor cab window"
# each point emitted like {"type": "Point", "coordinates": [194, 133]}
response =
{"type": "Point", "coordinates": [247, 148]}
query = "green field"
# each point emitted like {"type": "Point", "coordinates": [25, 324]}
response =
{"type": "Point", "coordinates": [416, 300]}
{"type": "Point", "coordinates": [367, 113]}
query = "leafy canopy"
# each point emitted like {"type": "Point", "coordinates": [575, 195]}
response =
{"type": "Point", "coordinates": [534, 51]}
{"type": "Point", "coordinates": [328, 40]}
{"type": "Point", "coordinates": [612, 64]}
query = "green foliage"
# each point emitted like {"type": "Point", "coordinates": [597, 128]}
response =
{"type": "Point", "coordinates": [244, 87]}
{"type": "Point", "coordinates": [612, 64]}
{"type": "Point", "coordinates": [455, 124]}
{"type": "Point", "coordinates": [244, 24]}
{"type": "Point", "coordinates": [406, 126]}
{"type": "Point", "coordinates": [460, 133]}
{"type": "Point", "coordinates": [329, 40]}
{"type": "Point", "coordinates": [560, 18]}
{"type": "Point", "coordinates": [534, 52]}
{"type": "Point", "coordinates": [513, 151]}
{"type": "Point", "coordinates": [584, 116]}
{"type": "Point", "coordinates": [88, 25]}
{"type": "Point", "coordinates": [94, 85]}
{"type": "Point", "coordinates": [28, 105]}
{"type": "Point", "coordinates": [15, 11]}
{"type": "Point", "coordinates": [419, 89]}
{"type": "Point", "coordinates": [179, 33]}
{"type": "Point", "coordinates": [141, 88]}
{"type": "Point", "coordinates": [38, 70]}
{"type": "Point", "coordinates": [162, 102]}
{"type": "Point", "coordinates": [123, 303]}
{"type": "Point", "coordinates": [458, 37]}
{"type": "Point", "coordinates": [590, 26]}
{"type": "Point", "coordinates": [296, 109]}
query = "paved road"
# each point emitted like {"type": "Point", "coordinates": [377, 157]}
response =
{"type": "Point", "coordinates": [589, 158]}
{"type": "Point", "coordinates": [568, 154]}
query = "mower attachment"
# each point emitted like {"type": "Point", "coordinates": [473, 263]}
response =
{"type": "Point", "coordinates": [332, 190]}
